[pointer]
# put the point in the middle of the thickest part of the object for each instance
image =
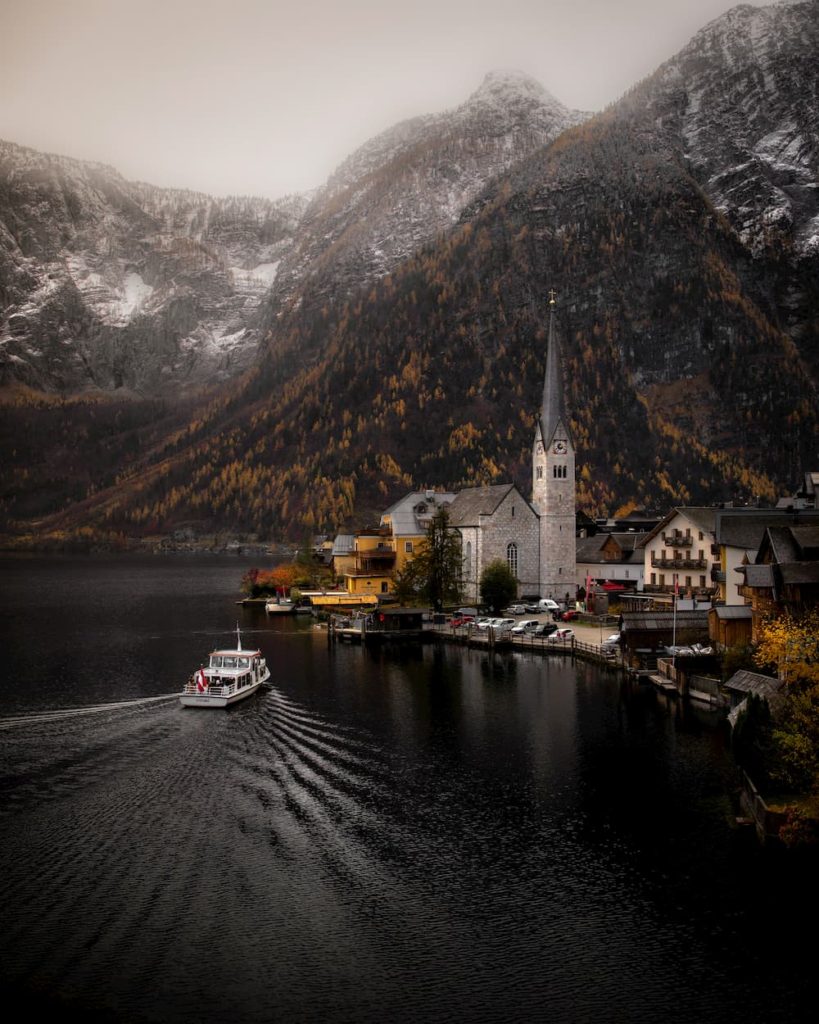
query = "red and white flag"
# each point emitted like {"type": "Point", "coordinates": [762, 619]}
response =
{"type": "Point", "coordinates": [201, 681]}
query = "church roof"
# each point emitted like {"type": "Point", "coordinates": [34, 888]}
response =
{"type": "Point", "coordinates": [553, 410]}
{"type": "Point", "coordinates": [473, 502]}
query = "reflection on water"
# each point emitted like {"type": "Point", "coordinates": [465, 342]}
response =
{"type": "Point", "coordinates": [413, 834]}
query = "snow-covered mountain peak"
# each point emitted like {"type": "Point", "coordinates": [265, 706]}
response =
{"type": "Point", "coordinates": [511, 88]}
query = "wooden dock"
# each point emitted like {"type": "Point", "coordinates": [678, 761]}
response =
{"type": "Point", "coordinates": [573, 648]}
{"type": "Point", "coordinates": [661, 682]}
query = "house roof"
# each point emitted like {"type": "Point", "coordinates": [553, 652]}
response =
{"type": "Point", "coordinates": [733, 611]}
{"type": "Point", "coordinates": [590, 549]}
{"type": "Point", "coordinates": [699, 516]}
{"type": "Point", "coordinates": [411, 515]}
{"type": "Point", "coordinates": [343, 544]}
{"type": "Point", "coordinates": [782, 543]}
{"type": "Point", "coordinates": [473, 502]}
{"type": "Point", "coordinates": [653, 620]}
{"type": "Point", "coordinates": [745, 528]}
{"type": "Point", "coordinates": [753, 682]}
{"type": "Point", "coordinates": [757, 575]}
{"type": "Point", "coordinates": [807, 540]}
{"type": "Point", "coordinates": [799, 572]}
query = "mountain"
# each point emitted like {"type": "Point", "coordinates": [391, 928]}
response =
{"type": "Point", "coordinates": [108, 284]}
{"type": "Point", "coordinates": [741, 105]}
{"type": "Point", "coordinates": [408, 185]}
{"type": "Point", "coordinates": [687, 310]}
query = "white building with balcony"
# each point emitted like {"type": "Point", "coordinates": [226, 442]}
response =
{"type": "Point", "coordinates": [679, 551]}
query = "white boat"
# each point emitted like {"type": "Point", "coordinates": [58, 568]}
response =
{"type": "Point", "coordinates": [230, 676]}
{"type": "Point", "coordinates": [279, 606]}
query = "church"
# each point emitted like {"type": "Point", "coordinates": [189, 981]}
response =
{"type": "Point", "coordinates": [535, 538]}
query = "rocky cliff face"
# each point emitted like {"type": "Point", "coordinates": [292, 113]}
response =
{"type": "Point", "coordinates": [406, 186]}
{"type": "Point", "coordinates": [108, 284]}
{"type": "Point", "coordinates": [740, 105]}
{"type": "Point", "coordinates": [744, 97]}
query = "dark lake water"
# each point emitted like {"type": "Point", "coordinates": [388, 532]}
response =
{"type": "Point", "coordinates": [422, 834]}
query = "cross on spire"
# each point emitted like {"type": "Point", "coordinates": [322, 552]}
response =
{"type": "Point", "coordinates": [552, 296]}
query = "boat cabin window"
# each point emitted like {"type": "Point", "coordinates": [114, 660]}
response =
{"type": "Point", "coordinates": [215, 661]}
{"type": "Point", "coordinates": [243, 662]}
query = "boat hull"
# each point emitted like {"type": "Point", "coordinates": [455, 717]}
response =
{"type": "Point", "coordinates": [206, 700]}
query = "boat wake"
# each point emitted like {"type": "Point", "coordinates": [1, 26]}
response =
{"type": "Point", "coordinates": [63, 713]}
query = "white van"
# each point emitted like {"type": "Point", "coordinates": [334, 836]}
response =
{"type": "Point", "coordinates": [546, 604]}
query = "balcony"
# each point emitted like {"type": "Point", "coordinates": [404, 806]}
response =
{"type": "Point", "coordinates": [376, 561]}
{"type": "Point", "coordinates": [717, 575]}
{"type": "Point", "coordinates": [677, 564]}
{"type": "Point", "coordinates": [675, 539]}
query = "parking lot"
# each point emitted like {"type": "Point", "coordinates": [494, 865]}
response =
{"type": "Point", "coordinates": [587, 632]}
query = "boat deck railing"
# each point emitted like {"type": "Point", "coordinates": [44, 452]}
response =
{"type": "Point", "coordinates": [213, 690]}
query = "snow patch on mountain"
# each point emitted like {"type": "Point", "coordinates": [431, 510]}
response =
{"type": "Point", "coordinates": [135, 292]}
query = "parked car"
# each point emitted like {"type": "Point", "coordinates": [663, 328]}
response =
{"type": "Point", "coordinates": [495, 623]}
{"type": "Point", "coordinates": [569, 614]}
{"type": "Point", "coordinates": [525, 626]}
{"type": "Point", "coordinates": [543, 629]}
{"type": "Point", "coordinates": [516, 609]}
{"type": "Point", "coordinates": [461, 620]}
{"type": "Point", "coordinates": [503, 623]}
{"type": "Point", "coordinates": [546, 604]}
{"type": "Point", "coordinates": [563, 633]}
{"type": "Point", "coordinates": [612, 641]}
{"type": "Point", "coordinates": [483, 622]}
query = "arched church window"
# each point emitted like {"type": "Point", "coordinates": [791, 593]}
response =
{"type": "Point", "coordinates": [469, 552]}
{"type": "Point", "coordinates": [512, 558]}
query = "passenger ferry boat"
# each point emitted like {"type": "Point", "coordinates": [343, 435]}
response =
{"type": "Point", "coordinates": [230, 676]}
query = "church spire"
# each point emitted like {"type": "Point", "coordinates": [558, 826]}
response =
{"type": "Point", "coordinates": [552, 410]}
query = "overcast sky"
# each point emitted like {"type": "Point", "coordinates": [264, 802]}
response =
{"type": "Point", "coordinates": [268, 96]}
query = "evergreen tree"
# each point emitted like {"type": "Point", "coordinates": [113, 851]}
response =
{"type": "Point", "coordinates": [498, 585]}
{"type": "Point", "coordinates": [434, 574]}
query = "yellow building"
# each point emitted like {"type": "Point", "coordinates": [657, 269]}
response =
{"type": "Point", "coordinates": [369, 567]}
{"type": "Point", "coordinates": [367, 561]}
{"type": "Point", "coordinates": [408, 521]}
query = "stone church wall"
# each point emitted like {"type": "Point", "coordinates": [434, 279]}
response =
{"type": "Point", "coordinates": [514, 522]}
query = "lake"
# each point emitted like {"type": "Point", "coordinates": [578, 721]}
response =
{"type": "Point", "coordinates": [415, 834]}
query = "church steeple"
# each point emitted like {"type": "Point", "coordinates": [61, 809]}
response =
{"type": "Point", "coordinates": [553, 486]}
{"type": "Point", "coordinates": [552, 411]}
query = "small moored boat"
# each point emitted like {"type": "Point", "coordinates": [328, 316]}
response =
{"type": "Point", "coordinates": [230, 676]}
